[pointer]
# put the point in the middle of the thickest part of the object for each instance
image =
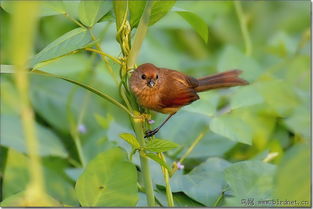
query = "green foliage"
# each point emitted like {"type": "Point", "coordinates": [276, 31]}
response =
{"type": "Point", "coordinates": [130, 139]}
{"type": "Point", "coordinates": [73, 40]}
{"type": "Point", "coordinates": [160, 145]}
{"type": "Point", "coordinates": [90, 12]}
{"type": "Point", "coordinates": [159, 10]}
{"type": "Point", "coordinates": [157, 159]}
{"type": "Point", "coordinates": [17, 177]}
{"type": "Point", "coordinates": [12, 136]}
{"type": "Point", "coordinates": [232, 127]}
{"type": "Point", "coordinates": [108, 180]}
{"type": "Point", "coordinates": [205, 183]}
{"type": "Point", "coordinates": [257, 184]}
{"type": "Point", "coordinates": [295, 162]}
{"type": "Point", "coordinates": [252, 142]}
{"type": "Point", "coordinates": [197, 23]}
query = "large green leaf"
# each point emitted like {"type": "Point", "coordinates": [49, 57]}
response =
{"type": "Point", "coordinates": [198, 24]}
{"type": "Point", "coordinates": [233, 127]}
{"type": "Point", "coordinates": [12, 136]}
{"type": "Point", "coordinates": [293, 181]}
{"type": "Point", "coordinates": [232, 58]}
{"type": "Point", "coordinates": [278, 95]}
{"type": "Point", "coordinates": [160, 145]}
{"type": "Point", "coordinates": [72, 8]}
{"type": "Point", "coordinates": [109, 180]}
{"type": "Point", "coordinates": [90, 12]}
{"type": "Point", "coordinates": [205, 183]}
{"type": "Point", "coordinates": [159, 10]}
{"type": "Point", "coordinates": [16, 179]}
{"type": "Point", "coordinates": [245, 96]}
{"type": "Point", "coordinates": [70, 41]}
{"type": "Point", "coordinates": [249, 182]}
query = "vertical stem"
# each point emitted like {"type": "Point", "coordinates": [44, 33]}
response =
{"type": "Point", "coordinates": [23, 32]}
{"type": "Point", "coordinates": [138, 123]}
{"type": "Point", "coordinates": [144, 162]}
{"type": "Point", "coordinates": [243, 27]}
{"type": "Point", "coordinates": [169, 194]}
{"type": "Point", "coordinates": [140, 34]}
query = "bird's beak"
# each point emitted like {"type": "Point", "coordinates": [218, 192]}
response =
{"type": "Point", "coordinates": [151, 83]}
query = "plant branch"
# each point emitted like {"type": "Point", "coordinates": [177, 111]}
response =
{"type": "Point", "coordinates": [169, 194]}
{"type": "Point", "coordinates": [190, 149]}
{"type": "Point", "coordinates": [140, 34]}
{"type": "Point", "coordinates": [104, 54]}
{"type": "Point", "coordinates": [243, 27]}
{"type": "Point", "coordinates": [25, 23]}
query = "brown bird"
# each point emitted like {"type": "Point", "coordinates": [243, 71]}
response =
{"type": "Point", "coordinates": [166, 91]}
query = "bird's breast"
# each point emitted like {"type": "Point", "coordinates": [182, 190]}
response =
{"type": "Point", "coordinates": [149, 98]}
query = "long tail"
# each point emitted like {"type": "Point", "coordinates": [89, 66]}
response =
{"type": "Point", "coordinates": [221, 80]}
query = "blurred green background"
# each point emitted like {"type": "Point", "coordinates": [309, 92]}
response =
{"type": "Point", "coordinates": [248, 124]}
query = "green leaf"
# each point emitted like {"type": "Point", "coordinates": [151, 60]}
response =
{"type": "Point", "coordinates": [12, 136]}
{"type": "Point", "coordinates": [245, 96]}
{"type": "Point", "coordinates": [293, 181]}
{"type": "Point", "coordinates": [47, 8]}
{"type": "Point", "coordinates": [299, 121]}
{"type": "Point", "coordinates": [130, 139]}
{"type": "Point", "coordinates": [72, 8]}
{"type": "Point", "coordinates": [90, 12]}
{"type": "Point", "coordinates": [156, 158]}
{"type": "Point", "coordinates": [278, 95]}
{"type": "Point", "coordinates": [75, 39]}
{"type": "Point", "coordinates": [160, 145]}
{"type": "Point", "coordinates": [159, 10]}
{"type": "Point", "coordinates": [232, 58]}
{"type": "Point", "coordinates": [233, 127]}
{"type": "Point", "coordinates": [120, 8]}
{"type": "Point", "coordinates": [136, 9]}
{"type": "Point", "coordinates": [180, 199]}
{"type": "Point", "coordinates": [249, 180]}
{"type": "Point", "coordinates": [109, 180]}
{"type": "Point", "coordinates": [198, 24]}
{"type": "Point", "coordinates": [205, 183]}
{"type": "Point", "coordinates": [16, 178]}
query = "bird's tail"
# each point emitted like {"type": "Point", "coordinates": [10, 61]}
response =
{"type": "Point", "coordinates": [221, 80]}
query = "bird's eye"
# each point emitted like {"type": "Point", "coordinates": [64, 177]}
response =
{"type": "Point", "coordinates": [143, 76]}
{"type": "Point", "coordinates": [156, 77]}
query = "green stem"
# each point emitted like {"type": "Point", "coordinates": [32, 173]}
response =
{"type": "Point", "coordinates": [104, 54]}
{"type": "Point", "coordinates": [73, 127]}
{"type": "Point", "coordinates": [25, 23]}
{"type": "Point", "coordinates": [190, 149]}
{"type": "Point", "coordinates": [144, 162]}
{"type": "Point", "coordinates": [243, 27]}
{"type": "Point", "coordinates": [169, 195]}
{"type": "Point", "coordinates": [140, 34]}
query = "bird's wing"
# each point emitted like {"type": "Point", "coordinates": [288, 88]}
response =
{"type": "Point", "coordinates": [181, 91]}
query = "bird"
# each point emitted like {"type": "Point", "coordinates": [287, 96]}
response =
{"type": "Point", "coordinates": [167, 91]}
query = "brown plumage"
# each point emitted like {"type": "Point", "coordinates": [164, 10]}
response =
{"type": "Point", "coordinates": [166, 91]}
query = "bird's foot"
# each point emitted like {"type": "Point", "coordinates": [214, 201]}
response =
{"type": "Point", "coordinates": [150, 133]}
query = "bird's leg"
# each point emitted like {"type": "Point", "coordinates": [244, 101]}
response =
{"type": "Point", "coordinates": [154, 131]}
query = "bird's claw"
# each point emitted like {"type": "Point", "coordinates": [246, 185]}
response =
{"type": "Point", "coordinates": [150, 133]}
